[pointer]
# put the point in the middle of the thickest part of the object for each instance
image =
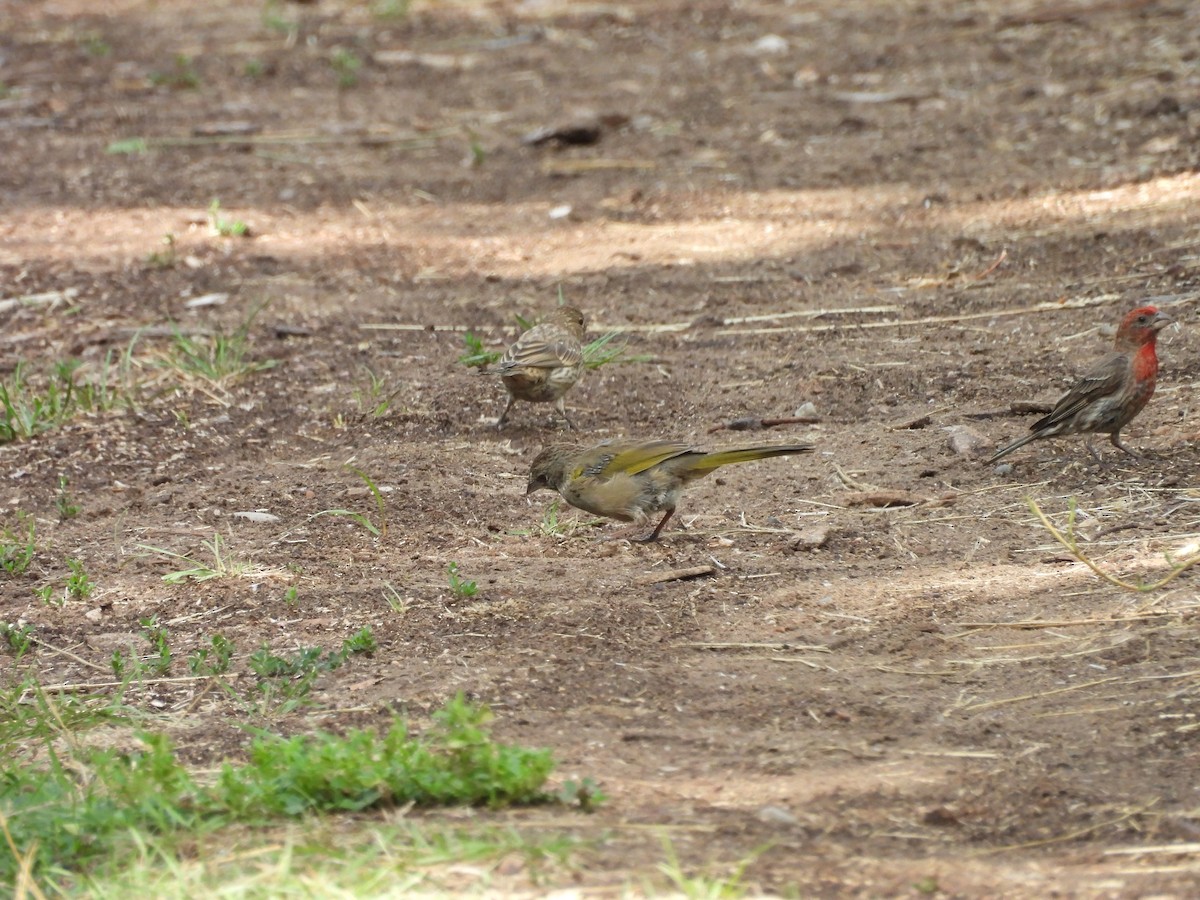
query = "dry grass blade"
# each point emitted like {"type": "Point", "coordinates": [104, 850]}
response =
{"type": "Point", "coordinates": [725, 645]}
{"type": "Point", "coordinates": [1071, 835]}
{"type": "Point", "coordinates": [24, 881]}
{"type": "Point", "coordinates": [1193, 847]}
{"type": "Point", "coordinates": [989, 704]}
{"type": "Point", "coordinates": [1079, 303]}
{"type": "Point", "coordinates": [1063, 623]}
{"type": "Point", "coordinates": [676, 575]}
{"type": "Point", "coordinates": [1069, 541]}
{"type": "Point", "coordinates": [45, 645]}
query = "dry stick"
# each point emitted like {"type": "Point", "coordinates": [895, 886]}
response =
{"type": "Point", "coordinates": [1083, 303]}
{"type": "Point", "coordinates": [1160, 848]}
{"type": "Point", "coordinates": [994, 266]}
{"type": "Point", "coordinates": [852, 483]}
{"type": "Point", "coordinates": [955, 754]}
{"type": "Point", "coordinates": [796, 659]}
{"type": "Point", "coordinates": [654, 327]}
{"type": "Point", "coordinates": [574, 166]}
{"type": "Point", "coordinates": [752, 424]}
{"type": "Point", "coordinates": [25, 880]}
{"type": "Point", "coordinates": [1061, 623]}
{"type": "Point", "coordinates": [299, 138]}
{"type": "Point", "coordinates": [930, 674]}
{"type": "Point", "coordinates": [988, 704]}
{"type": "Point", "coordinates": [812, 314]}
{"type": "Point", "coordinates": [86, 685]}
{"type": "Point", "coordinates": [200, 695]}
{"type": "Point", "coordinates": [1072, 834]}
{"type": "Point", "coordinates": [69, 654]}
{"type": "Point", "coordinates": [1073, 546]}
{"type": "Point", "coordinates": [51, 297]}
{"type": "Point", "coordinates": [711, 645]}
{"type": "Point", "coordinates": [1049, 15]}
{"type": "Point", "coordinates": [676, 575]}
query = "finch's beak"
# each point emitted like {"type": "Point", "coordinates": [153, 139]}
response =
{"type": "Point", "coordinates": [1160, 321]}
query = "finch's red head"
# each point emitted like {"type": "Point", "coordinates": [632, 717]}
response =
{"type": "Point", "coordinates": [1141, 326]}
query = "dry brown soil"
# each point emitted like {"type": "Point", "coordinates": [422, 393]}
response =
{"type": "Point", "coordinates": [909, 214]}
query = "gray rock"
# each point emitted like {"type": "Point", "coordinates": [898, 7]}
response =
{"type": "Point", "coordinates": [966, 441]}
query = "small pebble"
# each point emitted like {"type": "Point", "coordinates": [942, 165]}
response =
{"type": "Point", "coordinates": [769, 43]}
{"type": "Point", "coordinates": [811, 538]}
{"type": "Point", "coordinates": [776, 815]}
{"type": "Point", "coordinates": [966, 441]}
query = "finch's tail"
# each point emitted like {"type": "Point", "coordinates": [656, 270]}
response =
{"type": "Point", "coordinates": [709, 461]}
{"type": "Point", "coordinates": [1015, 445]}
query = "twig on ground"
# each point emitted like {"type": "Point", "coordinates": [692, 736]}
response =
{"type": "Point", "coordinates": [994, 266]}
{"type": "Point", "coordinates": [676, 575]}
{"type": "Point", "coordinates": [753, 424]}
{"type": "Point", "coordinates": [1070, 542]}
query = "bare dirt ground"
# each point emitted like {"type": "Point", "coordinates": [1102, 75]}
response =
{"type": "Point", "coordinates": [908, 214]}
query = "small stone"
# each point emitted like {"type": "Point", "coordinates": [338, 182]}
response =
{"type": "Point", "coordinates": [811, 538]}
{"type": "Point", "coordinates": [769, 44]}
{"type": "Point", "coordinates": [807, 408]}
{"type": "Point", "coordinates": [215, 299]}
{"type": "Point", "coordinates": [965, 441]}
{"type": "Point", "coordinates": [776, 815]}
{"type": "Point", "coordinates": [1005, 468]}
{"type": "Point", "coordinates": [257, 516]}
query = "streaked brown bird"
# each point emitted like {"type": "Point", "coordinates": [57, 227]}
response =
{"type": "Point", "coordinates": [544, 362]}
{"type": "Point", "coordinates": [633, 480]}
{"type": "Point", "coordinates": [1112, 393]}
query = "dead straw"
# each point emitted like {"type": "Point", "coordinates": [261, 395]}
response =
{"type": "Point", "coordinates": [1071, 835]}
{"type": "Point", "coordinates": [1069, 541]}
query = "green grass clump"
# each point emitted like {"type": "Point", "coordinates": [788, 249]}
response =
{"type": "Point", "coordinates": [221, 226]}
{"type": "Point", "coordinates": [603, 350]}
{"type": "Point", "coordinates": [379, 529]}
{"type": "Point", "coordinates": [30, 409]}
{"type": "Point", "coordinates": [32, 404]}
{"type": "Point", "coordinates": [455, 764]}
{"type": "Point", "coordinates": [81, 806]}
{"type": "Point", "coordinates": [219, 358]}
{"type": "Point", "coordinates": [182, 74]}
{"type": "Point", "coordinates": [19, 638]}
{"type": "Point", "coordinates": [459, 586]}
{"type": "Point", "coordinates": [475, 355]}
{"type": "Point", "coordinates": [17, 547]}
{"type": "Point", "coordinates": [345, 64]}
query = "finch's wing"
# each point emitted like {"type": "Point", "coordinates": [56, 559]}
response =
{"type": "Point", "coordinates": [543, 349]}
{"type": "Point", "coordinates": [629, 458]}
{"type": "Point", "coordinates": [1103, 380]}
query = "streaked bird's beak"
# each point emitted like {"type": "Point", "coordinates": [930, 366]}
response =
{"type": "Point", "coordinates": [1161, 320]}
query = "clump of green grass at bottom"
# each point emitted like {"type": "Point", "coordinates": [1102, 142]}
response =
{"type": "Point", "coordinates": [61, 818]}
{"type": "Point", "coordinates": [344, 857]}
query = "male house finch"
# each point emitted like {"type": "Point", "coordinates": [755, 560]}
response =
{"type": "Point", "coordinates": [632, 480]}
{"type": "Point", "coordinates": [544, 362]}
{"type": "Point", "coordinates": [1107, 398]}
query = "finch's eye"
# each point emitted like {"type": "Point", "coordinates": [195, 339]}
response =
{"type": "Point", "coordinates": [1142, 320]}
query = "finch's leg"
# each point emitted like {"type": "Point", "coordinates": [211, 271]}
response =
{"type": "Point", "coordinates": [504, 415]}
{"type": "Point", "coordinates": [1115, 437]}
{"type": "Point", "coordinates": [562, 408]}
{"type": "Point", "coordinates": [653, 536]}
